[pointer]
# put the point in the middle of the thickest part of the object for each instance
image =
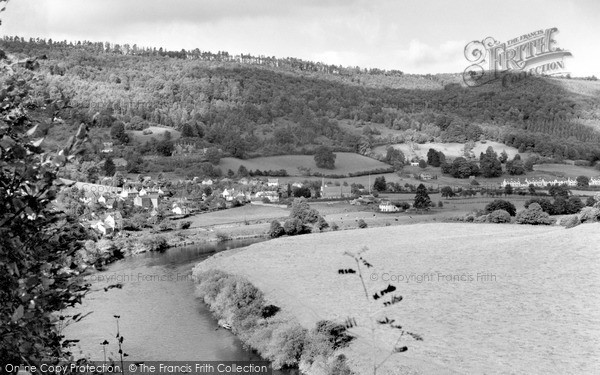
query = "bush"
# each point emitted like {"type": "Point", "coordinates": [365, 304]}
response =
{"type": "Point", "coordinates": [534, 216]}
{"type": "Point", "coordinates": [334, 226]}
{"type": "Point", "coordinates": [499, 216]}
{"type": "Point", "coordinates": [336, 333]}
{"type": "Point", "coordinates": [440, 204]}
{"type": "Point", "coordinates": [481, 219]}
{"type": "Point", "coordinates": [589, 215]}
{"type": "Point", "coordinates": [156, 243]}
{"type": "Point", "coordinates": [185, 224]}
{"type": "Point", "coordinates": [362, 223]}
{"type": "Point", "coordinates": [322, 223]}
{"type": "Point", "coordinates": [276, 229]}
{"type": "Point", "coordinates": [500, 204]}
{"type": "Point", "coordinates": [222, 237]}
{"type": "Point", "coordinates": [570, 221]}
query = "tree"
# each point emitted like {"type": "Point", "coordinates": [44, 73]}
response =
{"type": "Point", "coordinates": [276, 230]}
{"type": "Point", "coordinates": [433, 158]}
{"type": "Point", "coordinates": [109, 167]}
{"type": "Point", "coordinates": [242, 171]}
{"type": "Point", "coordinates": [422, 200]}
{"type": "Point", "coordinates": [508, 189]}
{"type": "Point", "coordinates": [379, 184]}
{"type": "Point", "coordinates": [447, 192]}
{"type": "Point", "coordinates": [213, 155]}
{"type": "Point", "coordinates": [188, 131]}
{"type": "Point", "coordinates": [489, 163]}
{"type": "Point", "coordinates": [583, 181]}
{"type": "Point", "coordinates": [500, 204]}
{"type": "Point", "coordinates": [325, 158]}
{"type": "Point", "coordinates": [395, 158]}
{"type": "Point", "coordinates": [38, 244]}
{"type": "Point", "coordinates": [503, 157]}
{"type": "Point", "coordinates": [515, 167]}
{"type": "Point", "coordinates": [117, 132]}
{"type": "Point", "coordinates": [422, 164]}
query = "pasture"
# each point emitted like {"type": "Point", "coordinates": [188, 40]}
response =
{"type": "Point", "coordinates": [158, 133]}
{"type": "Point", "coordinates": [345, 162]}
{"type": "Point", "coordinates": [486, 298]}
{"type": "Point", "coordinates": [451, 150]}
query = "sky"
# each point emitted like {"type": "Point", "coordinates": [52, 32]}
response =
{"type": "Point", "coordinates": [414, 36]}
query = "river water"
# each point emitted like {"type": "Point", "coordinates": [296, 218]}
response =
{"type": "Point", "coordinates": [160, 317]}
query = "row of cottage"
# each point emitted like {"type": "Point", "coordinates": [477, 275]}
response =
{"type": "Point", "coordinates": [542, 182]}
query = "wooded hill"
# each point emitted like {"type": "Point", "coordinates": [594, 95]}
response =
{"type": "Point", "coordinates": [250, 106]}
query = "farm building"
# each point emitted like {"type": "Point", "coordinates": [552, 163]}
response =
{"type": "Point", "coordinates": [335, 191]}
{"type": "Point", "coordinates": [387, 206]}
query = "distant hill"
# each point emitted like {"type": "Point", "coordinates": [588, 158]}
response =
{"type": "Point", "coordinates": [260, 106]}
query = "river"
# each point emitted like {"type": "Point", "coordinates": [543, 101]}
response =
{"type": "Point", "coordinates": [160, 317]}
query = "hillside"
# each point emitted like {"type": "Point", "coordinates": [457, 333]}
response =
{"type": "Point", "coordinates": [537, 314]}
{"type": "Point", "coordinates": [251, 107]}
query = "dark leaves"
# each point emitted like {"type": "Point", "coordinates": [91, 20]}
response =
{"type": "Point", "coordinates": [400, 349]}
{"type": "Point", "coordinates": [350, 322]}
{"type": "Point", "coordinates": [390, 288]}
{"type": "Point", "coordinates": [346, 271]}
{"type": "Point", "coordinates": [394, 300]}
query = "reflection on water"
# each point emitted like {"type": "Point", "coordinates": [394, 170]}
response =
{"type": "Point", "coordinates": [160, 317]}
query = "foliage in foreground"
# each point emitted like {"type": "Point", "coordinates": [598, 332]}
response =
{"type": "Point", "coordinates": [534, 216]}
{"type": "Point", "coordinates": [38, 244]}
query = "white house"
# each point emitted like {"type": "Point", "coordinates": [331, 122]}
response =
{"type": "Point", "coordinates": [273, 182]}
{"type": "Point", "coordinates": [208, 182]}
{"type": "Point", "coordinates": [595, 181]}
{"type": "Point", "coordinates": [387, 206]}
{"type": "Point", "coordinates": [228, 194]}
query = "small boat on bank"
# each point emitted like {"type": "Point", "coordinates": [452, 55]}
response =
{"type": "Point", "coordinates": [223, 324]}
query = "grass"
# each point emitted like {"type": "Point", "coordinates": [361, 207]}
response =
{"type": "Point", "coordinates": [251, 213]}
{"type": "Point", "coordinates": [451, 150]}
{"type": "Point", "coordinates": [157, 133]}
{"type": "Point", "coordinates": [566, 170]}
{"type": "Point", "coordinates": [542, 300]}
{"type": "Point", "coordinates": [345, 162]}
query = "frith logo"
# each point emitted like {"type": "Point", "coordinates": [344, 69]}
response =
{"type": "Point", "coordinates": [535, 53]}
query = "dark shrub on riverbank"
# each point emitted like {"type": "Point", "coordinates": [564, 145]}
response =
{"type": "Point", "coordinates": [534, 215]}
{"type": "Point", "coordinates": [156, 243]}
{"type": "Point", "coordinates": [277, 337]}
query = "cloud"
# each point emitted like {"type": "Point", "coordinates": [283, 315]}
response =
{"type": "Point", "coordinates": [420, 57]}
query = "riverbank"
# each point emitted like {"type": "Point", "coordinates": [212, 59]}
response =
{"type": "Point", "coordinates": [480, 296]}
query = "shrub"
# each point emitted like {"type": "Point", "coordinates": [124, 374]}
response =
{"type": "Point", "coordinates": [534, 216]}
{"type": "Point", "coordinates": [302, 210]}
{"type": "Point", "coordinates": [481, 219]}
{"type": "Point", "coordinates": [570, 221]}
{"type": "Point", "coordinates": [286, 345]}
{"type": "Point", "coordinates": [362, 223]}
{"type": "Point", "coordinates": [500, 204]}
{"type": "Point", "coordinates": [165, 226]}
{"type": "Point", "coordinates": [589, 215]}
{"type": "Point", "coordinates": [269, 311]}
{"type": "Point", "coordinates": [440, 204]}
{"type": "Point", "coordinates": [334, 226]}
{"type": "Point", "coordinates": [156, 243]}
{"type": "Point", "coordinates": [185, 224]}
{"type": "Point", "coordinates": [276, 229]}
{"type": "Point", "coordinates": [322, 223]}
{"type": "Point", "coordinates": [499, 216]}
{"type": "Point", "coordinates": [336, 333]}
{"type": "Point", "coordinates": [222, 237]}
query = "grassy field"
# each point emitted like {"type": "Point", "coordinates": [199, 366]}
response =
{"type": "Point", "coordinates": [565, 170]}
{"type": "Point", "coordinates": [451, 150]}
{"type": "Point", "coordinates": [345, 162]}
{"type": "Point", "coordinates": [250, 212]}
{"type": "Point", "coordinates": [531, 306]}
{"type": "Point", "coordinates": [157, 133]}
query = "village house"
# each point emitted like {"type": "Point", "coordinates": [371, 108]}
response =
{"type": "Point", "coordinates": [387, 206]}
{"type": "Point", "coordinates": [108, 147]}
{"type": "Point", "coordinates": [147, 200]}
{"type": "Point", "coordinates": [332, 192]}
{"type": "Point", "coordinates": [272, 196]}
{"type": "Point", "coordinates": [273, 182]}
{"type": "Point", "coordinates": [425, 176]}
{"type": "Point", "coordinates": [539, 182]}
{"type": "Point", "coordinates": [207, 182]}
{"type": "Point", "coordinates": [595, 181]}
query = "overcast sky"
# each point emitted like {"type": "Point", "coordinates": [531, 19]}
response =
{"type": "Point", "coordinates": [415, 36]}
